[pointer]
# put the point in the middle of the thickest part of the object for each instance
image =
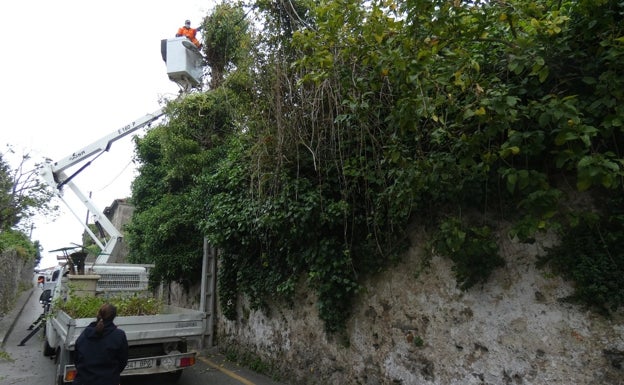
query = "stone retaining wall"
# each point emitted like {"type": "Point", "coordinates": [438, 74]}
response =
{"type": "Point", "coordinates": [16, 273]}
{"type": "Point", "coordinates": [420, 329]}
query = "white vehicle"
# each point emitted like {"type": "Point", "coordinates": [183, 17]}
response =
{"type": "Point", "coordinates": [163, 343]}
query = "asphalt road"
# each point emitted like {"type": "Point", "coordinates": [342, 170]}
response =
{"type": "Point", "coordinates": [26, 365]}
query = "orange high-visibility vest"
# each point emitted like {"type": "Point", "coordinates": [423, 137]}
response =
{"type": "Point", "coordinates": [189, 33]}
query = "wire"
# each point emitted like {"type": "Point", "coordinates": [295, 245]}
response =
{"type": "Point", "coordinates": [116, 177]}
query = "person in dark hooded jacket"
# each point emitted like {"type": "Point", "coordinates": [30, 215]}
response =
{"type": "Point", "coordinates": [101, 350]}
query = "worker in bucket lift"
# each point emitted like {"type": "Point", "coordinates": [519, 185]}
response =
{"type": "Point", "coordinates": [189, 33]}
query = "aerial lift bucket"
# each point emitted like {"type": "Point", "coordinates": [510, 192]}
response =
{"type": "Point", "coordinates": [184, 62]}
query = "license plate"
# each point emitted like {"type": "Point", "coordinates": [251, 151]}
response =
{"type": "Point", "coordinates": [139, 364]}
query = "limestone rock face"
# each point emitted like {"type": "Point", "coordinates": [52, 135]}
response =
{"type": "Point", "coordinates": [412, 327]}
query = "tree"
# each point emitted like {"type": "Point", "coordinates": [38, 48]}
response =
{"type": "Point", "coordinates": [165, 227]}
{"type": "Point", "coordinates": [226, 40]}
{"type": "Point", "coordinates": [22, 194]}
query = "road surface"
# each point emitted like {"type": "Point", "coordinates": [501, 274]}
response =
{"type": "Point", "coordinates": [26, 365]}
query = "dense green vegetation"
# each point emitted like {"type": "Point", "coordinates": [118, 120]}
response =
{"type": "Point", "coordinates": [335, 126]}
{"type": "Point", "coordinates": [16, 240]}
{"type": "Point", "coordinates": [591, 255]}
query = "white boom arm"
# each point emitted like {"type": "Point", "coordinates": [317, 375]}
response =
{"type": "Point", "coordinates": [54, 175]}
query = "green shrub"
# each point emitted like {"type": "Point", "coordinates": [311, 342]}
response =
{"type": "Point", "coordinates": [18, 241]}
{"type": "Point", "coordinates": [472, 249]}
{"type": "Point", "coordinates": [590, 254]}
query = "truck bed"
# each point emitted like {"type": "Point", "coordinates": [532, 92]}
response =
{"type": "Point", "coordinates": [170, 325]}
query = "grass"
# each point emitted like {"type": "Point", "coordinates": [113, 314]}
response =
{"type": "Point", "coordinates": [4, 356]}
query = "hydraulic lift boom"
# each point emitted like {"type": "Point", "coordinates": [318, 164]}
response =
{"type": "Point", "coordinates": [54, 175]}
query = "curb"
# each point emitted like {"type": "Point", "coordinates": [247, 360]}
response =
{"type": "Point", "coordinates": [8, 321]}
{"type": "Point", "coordinates": [245, 376]}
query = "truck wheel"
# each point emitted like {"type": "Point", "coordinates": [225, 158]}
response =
{"type": "Point", "coordinates": [173, 377]}
{"type": "Point", "coordinates": [48, 351]}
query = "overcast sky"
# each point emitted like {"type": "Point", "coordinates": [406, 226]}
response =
{"type": "Point", "coordinates": [74, 71]}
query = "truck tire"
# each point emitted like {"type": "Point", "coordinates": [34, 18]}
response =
{"type": "Point", "coordinates": [48, 351]}
{"type": "Point", "coordinates": [173, 377]}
